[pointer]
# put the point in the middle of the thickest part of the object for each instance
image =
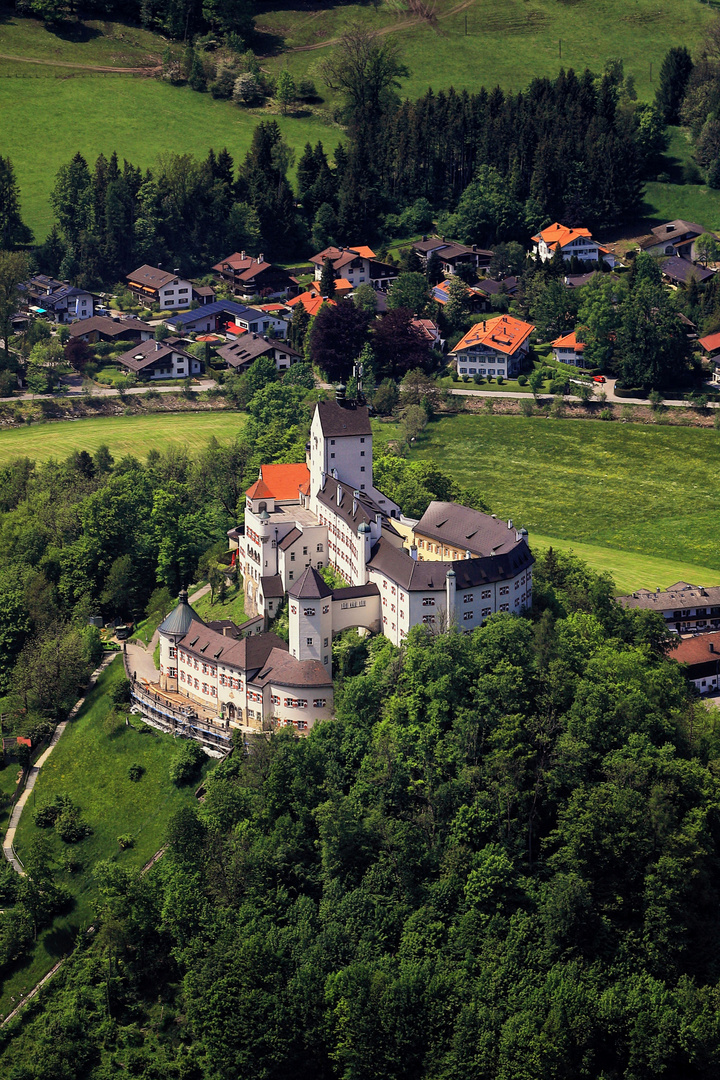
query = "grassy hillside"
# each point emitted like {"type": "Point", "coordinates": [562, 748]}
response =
{"type": "Point", "coordinates": [123, 434]}
{"type": "Point", "coordinates": [644, 490]}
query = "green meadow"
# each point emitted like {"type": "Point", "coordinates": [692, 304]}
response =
{"type": "Point", "coordinates": [638, 500]}
{"type": "Point", "coordinates": [123, 434]}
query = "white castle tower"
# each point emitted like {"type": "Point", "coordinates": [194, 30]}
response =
{"type": "Point", "coordinates": [310, 603]}
{"type": "Point", "coordinates": [172, 629]}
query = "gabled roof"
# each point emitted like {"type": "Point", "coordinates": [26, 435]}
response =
{"type": "Point", "coordinates": [245, 349]}
{"type": "Point", "coordinates": [678, 269]}
{"type": "Point", "coordinates": [310, 586]}
{"type": "Point", "coordinates": [248, 654]}
{"type": "Point", "coordinates": [569, 341]}
{"type": "Point", "coordinates": [467, 529]}
{"type": "Point", "coordinates": [697, 650]}
{"type": "Point", "coordinates": [338, 420]}
{"type": "Point", "coordinates": [217, 307]}
{"type": "Point", "coordinates": [151, 276]}
{"type": "Point", "coordinates": [418, 576]}
{"type": "Point", "coordinates": [287, 541]}
{"type": "Point", "coordinates": [341, 256]}
{"type": "Point", "coordinates": [259, 490]}
{"type": "Point", "coordinates": [284, 670]}
{"type": "Point", "coordinates": [284, 480]}
{"type": "Point", "coordinates": [557, 235]}
{"type": "Point", "coordinates": [151, 352]}
{"type": "Point", "coordinates": [243, 266]}
{"type": "Point", "coordinates": [272, 586]}
{"type": "Point", "coordinates": [671, 230]}
{"type": "Point", "coordinates": [711, 342]}
{"type": "Point", "coordinates": [110, 327]}
{"type": "Point", "coordinates": [311, 300]}
{"type": "Point", "coordinates": [504, 334]}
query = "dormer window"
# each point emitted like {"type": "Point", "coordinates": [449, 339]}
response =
{"type": "Point", "coordinates": [262, 506]}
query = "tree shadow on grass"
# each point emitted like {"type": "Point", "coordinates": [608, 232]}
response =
{"type": "Point", "coordinates": [76, 32]}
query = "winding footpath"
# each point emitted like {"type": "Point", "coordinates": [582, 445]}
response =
{"type": "Point", "coordinates": [8, 841]}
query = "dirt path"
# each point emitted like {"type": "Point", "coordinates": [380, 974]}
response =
{"type": "Point", "coordinates": [149, 69]}
{"type": "Point", "coordinates": [406, 24]}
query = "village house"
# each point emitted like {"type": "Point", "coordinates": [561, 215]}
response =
{"type": "Point", "coordinates": [247, 348]}
{"type": "Point", "coordinates": [56, 300]}
{"type": "Point", "coordinates": [248, 276]}
{"type": "Point", "coordinates": [103, 328]}
{"type": "Point", "coordinates": [673, 238]}
{"type": "Point", "coordinates": [217, 316]}
{"type": "Point", "coordinates": [494, 347]}
{"type": "Point", "coordinates": [680, 271]}
{"type": "Point", "coordinates": [571, 242]}
{"type": "Point", "coordinates": [160, 360]}
{"type": "Point", "coordinates": [356, 266]}
{"type": "Point", "coordinates": [451, 254]}
{"type": "Point", "coordinates": [710, 345]}
{"type": "Point", "coordinates": [429, 330]}
{"type": "Point", "coordinates": [568, 350]}
{"type": "Point", "coordinates": [311, 300]}
{"type": "Point", "coordinates": [700, 657]}
{"type": "Point", "coordinates": [685, 608]}
{"type": "Point", "coordinates": [476, 300]}
{"type": "Point", "coordinates": [152, 285]}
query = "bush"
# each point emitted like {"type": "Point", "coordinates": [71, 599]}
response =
{"type": "Point", "coordinates": [186, 765]}
{"type": "Point", "coordinates": [135, 772]}
{"type": "Point", "coordinates": [125, 840]}
{"type": "Point", "coordinates": [526, 407]}
{"type": "Point", "coordinates": [120, 693]}
{"type": "Point", "coordinates": [46, 816]}
{"type": "Point", "coordinates": [500, 380]}
{"type": "Point", "coordinates": [70, 827]}
{"type": "Point", "coordinates": [606, 414]}
{"type": "Point", "coordinates": [522, 380]}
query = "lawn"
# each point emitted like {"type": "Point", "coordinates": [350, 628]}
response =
{"type": "Point", "coordinates": [691, 202]}
{"type": "Point", "coordinates": [643, 490]}
{"type": "Point", "coordinates": [90, 764]}
{"type": "Point", "coordinates": [484, 43]}
{"type": "Point", "coordinates": [232, 608]}
{"type": "Point", "coordinates": [123, 434]}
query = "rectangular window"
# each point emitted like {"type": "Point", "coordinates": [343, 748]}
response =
{"type": "Point", "coordinates": [428, 618]}
{"type": "Point", "coordinates": [309, 611]}
{"type": "Point", "coordinates": [467, 615]}
{"type": "Point", "coordinates": [292, 556]}
{"type": "Point", "coordinates": [332, 455]}
{"type": "Point", "coordinates": [485, 612]}
{"type": "Point", "coordinates": [362, 440]}
{"type": "Point", "coordinates": [486, 594]}
{"type": "Point", "coordinates": [319, 547]}
{"type": "Point", "coordinates": [504, 607]}
{"type": "Point", "coordinates": [362, 468]}
{"type": "Point", "coordinates": [308, 641]}
{"type": "Point", "coordinates": [304, 551]}
{"type": "Point", "coordinates": [468, 598]}
{"type": "Point", "coordinates": [319, 703]}
{"type": "Point", "coordinates": [428, 601]}
{"type": "Point", "coordinates": [173, 652]}
{"type": "Point", "coordinates": [362, 453]}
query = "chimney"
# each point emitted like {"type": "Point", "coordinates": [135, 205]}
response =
{"type": "Point", "coordinates": [158, 346]}
{"type": "Point", "coordinates": [176, 270]}
{"type": "Point", "coordinates": [242, 256]}
{"type": "Point", "coordinates": [509, 523]}
{"type": "Point", "coordinates": [339, 489]}
{"type": "Point", "coordinates": [711, 647]}
{"type": "Point", "coordinates": [260, 258]}
{"type": "Point", "coordinates": [467, 553]}
{"type": "Point", "coordinates": [340, 394]}
{"type": "Point", "coordinates": [227, 631]}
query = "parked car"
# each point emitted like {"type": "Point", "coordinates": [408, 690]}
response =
{"type": "Point", "coordinates": [598, 378]}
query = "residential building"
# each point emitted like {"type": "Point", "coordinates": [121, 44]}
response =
{"type": "Point", "coordinates": [250, 276]}
{"type": "Point", "coordinates": [57, 300]}
{"type": "Point", "coordinates": [355, 265]}
{"type": "Point", "coordinates": [104, 328]}
{"type": "Point", "coordinates": [686, 608]}
{"type": "Point", "coordinates": [451, 253]}
{"type": "Point", "coordinates": [242, 352]}
{"type": "Point", "coordinates": [476, 301]}
{"type": "Point", "coordinates": [429, 330]}
{"type": "Point", "coordinates": [700, 657]}
{"type": "Point", "coordinates": [571, 242]}
{"type": "Point", "coordinates": [679, 271]}
{"type": "Point", "coordinates": [311, 300]}
{"type": "Point", "coordinates": [160, 360]}
{"type": "Point", "coordinates": [568, 350]}
{"type": "Point", "coordinates": [217, 316]}
{"type": "Point", "coordinates": [710, 345]}
{"type": "Point", "coordinates": [152, 285]}
{"type": "Point", "coordinates": [673, 238]}
{"type": "Point", "coordinates": [494, 347]}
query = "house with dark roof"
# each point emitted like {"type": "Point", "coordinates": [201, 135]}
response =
{"type": "Point", "coordinates": [355, 265]}
{"type": "Point", "coordinates": [216, 317]}
{"type": "Point", "coordinates": [686, 608]}
{"type": "Point", "coordinates": [248, 276]}
{"type": "Point", "coordinates": [451, 253]}
{"type": "Point", "coordinates": [160, 360]}
{"type": "Point", "coordinates": [152, 285]}
{"type": "Point", "coordinates": [56, 300]}
{"type": "Point", "coordinates": [103, 328]}
{"type": "Point", "coordinates": [679, 271]}
{"type": "Point", "coordinates": [673, 238]}
{"type": "Point", "coordinates": [247, 348]}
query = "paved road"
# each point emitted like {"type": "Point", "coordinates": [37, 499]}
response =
{"type": "Point", "coordinates": [608, 387]}
{"type": "Point", "coordinates": [74, 389]}
{"type": "Point", "coordinates": [8, 849]}
{"type": "Point", "coordinates": [140, 659]}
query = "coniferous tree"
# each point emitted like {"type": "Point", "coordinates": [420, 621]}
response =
{"type": "Point", "coordinates": [674, 77]}
{"type": "Point", "coordinates": [14, 232]}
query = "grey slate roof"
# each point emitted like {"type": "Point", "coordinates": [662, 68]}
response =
{"type": "Point", "coordinates": [151, 352]}
{"type": "Point", "coordinates": [289, 540]}
{"type": "Point", "coordinates": [245, 349]}
{"type": "Point", "coordinates": [310, 586]}
{"type": "Point", "coordinates": [180, 618]}
{"type": "Point", "coordinates": [110, 327]}
{"type": "Point", "coordinates": [272, 586]}
{"type": "Point", "coordinates": [682, 270]}
{"type": "Point", "coordinates": [351, 592]}
{"type": "Point", "coordinates": [366, 509]}
{"type": "Point", "coordinates": [469, 530]}
{"type": "Point", "coordinates": [413, 576]}
{"type": "Point", "coordinates": [342, 420]}
{"type": "Point", "coordinates": [680, 595]}
{"type": "Point", "coordinates": [284, 669]}
{"type": "Point", "coordinates": [249, 654]}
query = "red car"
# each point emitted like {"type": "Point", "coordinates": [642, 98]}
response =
{"type": "Point", "coordinates": [599, 378]}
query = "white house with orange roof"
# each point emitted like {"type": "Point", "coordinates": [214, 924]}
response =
{"type": "Point", "coordinates": [572, 242]}
{"type": "Point", "coordinates": [494, 347]}
{"type": "Point", "coordinates": [358, 265]}
{"type": "Point", "coordinates": [568, 350]}
{"type": "Point", "coordinates": [312, 300]}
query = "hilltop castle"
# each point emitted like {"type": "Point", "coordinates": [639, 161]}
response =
{"type": "Point", "coordinates": [455, 566]}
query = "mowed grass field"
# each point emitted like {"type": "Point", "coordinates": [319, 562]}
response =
{"type": "Point", "coordinates": [90, 764]}
{"type": "Point", "coordinates": [644, 491]}
{"type": "Point", "coordinates": [123, 434]}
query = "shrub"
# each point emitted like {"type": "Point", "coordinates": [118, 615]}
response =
{"type": "Point", "coordinates": [120, 693]}
{"type": "Point", "coordinates": [477, 379]}
{"type": "Point", "coordinates": [526, 407]}
{"type": "Point", "coordinates": [70, 827]}
{"type": "Point", "coordinates": [606, 414]}
{"type": "Point", "coordinates": [135, 772]}
{"type": "Point", "coordinates": [522, 380]}
{"type": "Point", "coordinates": [125, 840]}
{"type": "Point", "coordinates": [46, 816]}
{"type": "Point", "coordinates": [500, 380]}
{"type": "Point", "coordinates": [186, 765]}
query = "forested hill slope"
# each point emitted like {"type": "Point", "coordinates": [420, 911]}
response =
{"type": "Point", "coordinates": [499, 861]}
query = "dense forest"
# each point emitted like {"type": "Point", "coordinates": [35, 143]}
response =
{"type": "Point", "coordinates": [499, 861]}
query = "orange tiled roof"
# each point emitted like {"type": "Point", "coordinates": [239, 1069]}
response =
{"type": "Point", "coordinates": [504, 333]}
{"type": "Point", "coordinates": [569, 341]}
{"type": "Point", "coordinates": [711, 342]}
{"type": "Point", "coordinates": [259, 490]}
{"type": "Point", "coordinates": [311, 300]}
{"type": "Point", "coordinates": [284, 480]}
{"type": "Point", "coordinates": [558, 235]}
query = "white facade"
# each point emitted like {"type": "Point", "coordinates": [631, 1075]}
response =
{"type": "Point", "coordinates": [176, 294]}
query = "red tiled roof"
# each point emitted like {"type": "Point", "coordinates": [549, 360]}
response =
{"type": "Point", "coordinates": [259, 490]}
{"type": "Point", "coordinates": [233, 328]}
{"type": "Point", "coordinates": [504, 334]}
{"type": "Point", "coordinates": [568, 342]}
{"type": "Point", "coordinates": [559, 235]}
{"type": "Point", "coordinates": [284, 480]}
{"type": "Point", "coordinates": [711, 342]}
{"type": "Point", "coordinates": [696, 650]}
{"type": "Point", "coordinates": [311, 300]}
